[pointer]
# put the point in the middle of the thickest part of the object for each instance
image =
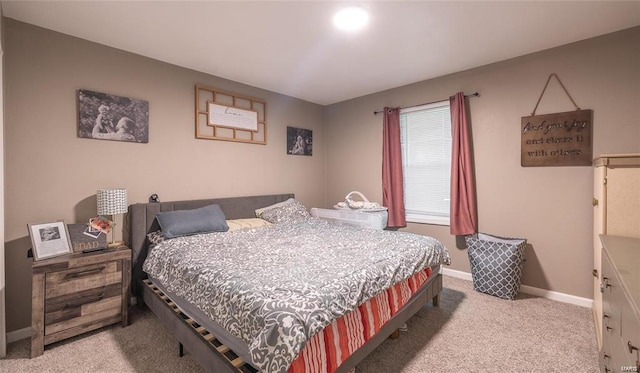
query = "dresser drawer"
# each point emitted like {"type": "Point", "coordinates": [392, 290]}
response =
{"type": "Point", "coordinates": [617, 356]}
{"type": "Point", "coordinates": [612, 355]}
{"type": "Point", "coordinates": [612, 300]}
{"type": "Point", "coordinates": [610, 317]}
{"type": "Point", "coordinates": [630, 334]}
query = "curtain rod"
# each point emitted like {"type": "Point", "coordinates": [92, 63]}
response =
{"type": "Point", "coordinates": [475, 94]}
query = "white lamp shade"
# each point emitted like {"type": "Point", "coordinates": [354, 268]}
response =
{"type": "Point", "coordinates": [112, 201]}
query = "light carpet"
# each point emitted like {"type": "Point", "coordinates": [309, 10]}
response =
{"type": "Point", "coordinates": [468, 332]}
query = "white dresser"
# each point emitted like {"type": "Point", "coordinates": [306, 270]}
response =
{"type": "Point", "coordinates": [616, 203]}
{"type": "Point", "coordinates": [359, 218]}
{"type": "Point", "coordinates": [620, 304]}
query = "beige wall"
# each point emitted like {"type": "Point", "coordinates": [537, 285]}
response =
{"type": "Point", "coordinates": [51, 174]}
{"type": "Point", "coordinates": [550, 206]}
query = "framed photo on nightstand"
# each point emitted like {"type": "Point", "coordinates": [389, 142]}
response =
{"type": "Point", "coordinates": [49, 239]}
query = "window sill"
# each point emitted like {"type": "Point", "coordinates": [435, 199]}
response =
{"type": "Point", "coordinates": [434, 220]}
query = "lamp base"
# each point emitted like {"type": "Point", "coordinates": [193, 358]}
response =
{"type": "Point", "coordinates": [115, 244]}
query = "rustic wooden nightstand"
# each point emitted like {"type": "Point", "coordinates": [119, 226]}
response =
{"type": "Point", "coordinates": [79, 292]}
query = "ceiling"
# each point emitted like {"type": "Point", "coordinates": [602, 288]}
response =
{"type": "Point", "coordinates": [293, 48]}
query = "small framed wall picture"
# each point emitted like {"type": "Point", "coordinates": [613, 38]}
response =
{"type": "Point", "coordinates": [49, 239]}
{"type": "Point", "coordinates": [299, 141]}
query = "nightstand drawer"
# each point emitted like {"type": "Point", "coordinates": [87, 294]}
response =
{"type": "Point", "coordinates": [71, 310]}
{"type": "Point", "coordinates": [76, 280]}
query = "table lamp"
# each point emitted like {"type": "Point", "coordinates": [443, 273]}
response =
{"type": "Point", "coordinates": [112, 202]}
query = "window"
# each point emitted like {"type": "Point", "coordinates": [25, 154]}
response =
{"type": "Point", "coordinates": [425, 133]}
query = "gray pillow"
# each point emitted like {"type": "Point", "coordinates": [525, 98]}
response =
{"type": "Point", "coordinates": [188, 222]}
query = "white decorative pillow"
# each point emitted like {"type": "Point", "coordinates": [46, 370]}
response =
{"type": "Point", "coordinates": [290, 212]}
{"type": "Point", "coordinates": [237, 224]}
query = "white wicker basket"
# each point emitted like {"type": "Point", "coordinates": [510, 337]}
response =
{"type": "Point", "coordinates": [363, 205]}
{"type": "Point", "coordinates": [359, 218]}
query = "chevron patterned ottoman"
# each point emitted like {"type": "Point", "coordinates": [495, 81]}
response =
{"type": "Point", "coordinates": [496, 264]}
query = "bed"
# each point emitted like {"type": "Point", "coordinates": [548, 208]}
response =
{"type": "Point", "coordinates": [176, 295]}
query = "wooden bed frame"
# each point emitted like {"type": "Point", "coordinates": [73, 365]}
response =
{"type": "Point", "coordinates": [210, 353]}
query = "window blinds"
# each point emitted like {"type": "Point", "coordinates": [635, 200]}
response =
{"type": "Point", "coordinates": [426, 156]}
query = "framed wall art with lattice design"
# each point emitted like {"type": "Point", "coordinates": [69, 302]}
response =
{"type": "Point", "coordinates": [230, 117]}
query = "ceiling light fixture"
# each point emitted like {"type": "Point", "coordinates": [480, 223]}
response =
{"type": "Point", "coordinates": [352, 18]}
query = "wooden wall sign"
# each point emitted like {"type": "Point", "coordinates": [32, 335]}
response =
{"type": "Point", "coordinates": [559, 139]}
{"type": "Point", "coordinates": [229, 116]}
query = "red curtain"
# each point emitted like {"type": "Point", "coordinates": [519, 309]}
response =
{"type": "Point", "coordinates": [392, 182]}
{"type": "Point", "coordinates": [463, 219]}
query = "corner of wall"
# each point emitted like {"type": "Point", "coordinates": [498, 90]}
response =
{"type": "Point", "coordinates": [3, 326]}
{"type": "Point", "coordinates": [325, 166]}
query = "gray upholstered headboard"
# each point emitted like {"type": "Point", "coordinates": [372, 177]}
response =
{"type": "Point", "coordinates": [142, 220]}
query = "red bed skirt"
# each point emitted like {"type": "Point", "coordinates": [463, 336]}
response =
{"type": "Point", "coordinates": [326, 350]}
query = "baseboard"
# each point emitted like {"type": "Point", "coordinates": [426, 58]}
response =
{"type": "Point", "coordinates": [19, 334]}
{"type": "Point", "coordinates": [560, 297]}
{"type": "Point", "coordinates": [456, 274]}
{"type": "Point", "coordinates": [553, 295]}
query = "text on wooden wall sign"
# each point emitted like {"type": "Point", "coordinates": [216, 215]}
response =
{"type": "Point", "coordinates": [558, 139]}
{"type": "Point", "coordinates": [233, 117]}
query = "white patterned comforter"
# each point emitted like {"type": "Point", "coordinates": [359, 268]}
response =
{"type": "Point", "coordinates": [277, 286]}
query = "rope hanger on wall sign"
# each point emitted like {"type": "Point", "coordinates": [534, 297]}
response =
{"type": "Point", "coordinates": [556, 139]}
{"type": "Point", "coordinates": [545, 88]}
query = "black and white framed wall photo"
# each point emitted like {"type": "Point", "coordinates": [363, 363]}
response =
{"type": "Point", "coordinates": [108, 117]}
{"type": "Point", "coordinates": [299, 141]}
